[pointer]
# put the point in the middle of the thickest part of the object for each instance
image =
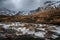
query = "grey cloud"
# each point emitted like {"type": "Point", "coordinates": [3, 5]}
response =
{"type": "Point", "coordinates": [22, 4]}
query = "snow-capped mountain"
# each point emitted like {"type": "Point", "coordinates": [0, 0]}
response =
{"type": "Point", "coordinates": [47, 4]}
{"type": "Point", "coordinates": [7, 12]}
{"type": "Point", "coordinates": [53, 4]}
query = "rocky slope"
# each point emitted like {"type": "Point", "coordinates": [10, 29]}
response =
{"type": "Point", "coordinates": [45, 16]}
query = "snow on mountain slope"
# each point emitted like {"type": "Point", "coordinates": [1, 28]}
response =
{"type": "Point", "coordinates": [8, 12]}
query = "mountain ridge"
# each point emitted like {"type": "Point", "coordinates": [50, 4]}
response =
{"type": "Point", "coordinates": [48, 16]}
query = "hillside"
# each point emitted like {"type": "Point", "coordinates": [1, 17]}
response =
{"type": "Point", "coordinates": [45, 16]}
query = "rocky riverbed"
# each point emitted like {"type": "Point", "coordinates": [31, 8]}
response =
{"type": "Point", "coordinates": [29, 30]}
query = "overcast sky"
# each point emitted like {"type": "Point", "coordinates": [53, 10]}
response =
{"type": "Point", "coordinates": [22, 4]}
